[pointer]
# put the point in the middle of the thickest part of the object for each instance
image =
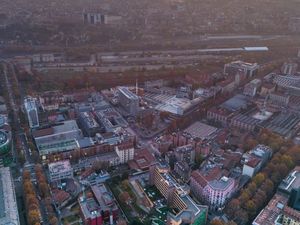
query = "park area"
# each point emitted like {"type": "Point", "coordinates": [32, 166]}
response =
{"type": "Point", "coordinates": [135, 207]}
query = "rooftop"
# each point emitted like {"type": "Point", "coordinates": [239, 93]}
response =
{"type": "Point", "coordinates": [177, 105]}
{"type": "Point", "coordinates": [200, 130]}
{"type": "Point", "coordinates": [125, 91]}
{"type": "Point", "coordinates": [89, 208]}
{"type": "Point", "coordinates": [30, 104]}
{"type": "Point", "coordinates": [283, 123]}
{"type": "Point", "coordinates": [245, 64]}
{"type": "Point", "coordinates": [8, 205]}
{"type": "Point", "coordinates": [235, 103]}
{"type": "Point", "coordinates": [292, 181]}
{"type": "Point", "coordinates": [60, 166]}
{"type": "Point", "coordinates": [271, 212]}
{"type": "Point", "coordinates": [89, 120]}
{"type": "Point", "coordinates": [104, 197]}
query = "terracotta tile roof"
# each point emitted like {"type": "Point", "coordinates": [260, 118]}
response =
{"type": "Point", "coordinates": [197, 176]}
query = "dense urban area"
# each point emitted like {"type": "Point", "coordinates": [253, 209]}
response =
{"type": "Point", "coordinates": [139, 112]}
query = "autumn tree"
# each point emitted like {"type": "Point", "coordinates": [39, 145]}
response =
{"type": "Point", "coordinates": [33, 217]}
{"type": "Point", "coordinates": [216, 222]}
{"type": "Point", "coordinates": [259, 179]}
{"type": "Point", "coordinates": [232, 207]}
{"type": "Point", "coordinates": [241, 217]}
{"type": "Point", "coordinates": [26, 175]}
{"type": "Point", "coordinates": [53, 220]}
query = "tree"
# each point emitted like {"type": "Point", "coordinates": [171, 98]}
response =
{"type": "Point", "coordinates": [28, 187]}
{"type": "Point", "coordinates": [260, 198]}
{"type": "Point", "coordinates": [33, 217]}
{"type": "Point", "coordinates": [21, 158]}
{"type": "Point", "coordinates": [251, 188]}
{"type": "Point", "coordinates": [35, 156]}
{"type": "Point", "coordinates": [250, 143]}
{"type": "Point", "coordinates": [288, 161]}
{"type": "Point", "coordinates": [53, 220]}
{"type": "Point", "coordinates": [251, 208]}
{"type": "Point", "coordinates": [198, 159]}
{"type": "Point", "coordinates": [268, 187]}
{"type": "Point", "coordinates": [276, 178]}
{"type": "Point", "coordinates": [259, 179]}
{"type": "Point", "coordinates": [232, 207]}
{"type": "Point", "coordinates": [231, 223]}
{"type": "Point", "coordinates": [26, 175]}
{"type": "Point", "coordinates": [241, 217]}
{"type": "Point", "coordinates": [216, 222]}
{"type": "Point", "coordinates": [283, 170]}
{"type": "Point", "coordinates": [31, 199]}
{"type": "Point", "coordinates": [244, 197]}
{"type": "Point", "coordinates": [43, 187]}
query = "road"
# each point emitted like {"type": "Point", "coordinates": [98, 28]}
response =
{"type": "Point", "coordinates": [9, 74]}
{"type": "Point", "coordinates": [8, 68]}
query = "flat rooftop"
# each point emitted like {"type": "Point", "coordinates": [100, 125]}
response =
{"type": "Point", "coordinates": [60, 166]}
{"type": "Point", "coordinates": [270, 213]}
{"type": "Point", "coordinates": [200, 130]}
{"type": "Point", "coordinates": [177, 105]}
{"type": "Point", "coordinates": [29, 104]}
{"type": "Point", "coordinates": [59, 146]}
{"type": "Point", "coordinates": [262, 116]}
{"type": "Point", "coordinates": [65, 126]}
{"type": "Point", "coordinates": [283, 123]}
{"type": "Point", "coordinates": [8, 204]}
{"type": "Point", "coordinates": [125, 91]}
{"type": "Point", "coordinates": [104, 197]}
{"type": "Point", "coordinates": [292, 181]}
{"type": "Point", "coordinates": [245, 64]}
{"type": "Point", "coordinates": [235, 103]}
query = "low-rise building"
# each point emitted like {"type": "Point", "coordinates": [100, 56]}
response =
{"type": "Point", "coordinates": [255, 159]}
{"type": "Point", "coordinates": [58, 138]}
{"type": "Point", "coordinates": [252, 166]}
{"type": "Point", "coordinates": [271, 213]}
{"type": "Point", "coordinates": [107, 203]}
{"type": "Point", "coordinates": [290, 217]}
{"type": "Point", "coordinates": [110, 119]}
{"type": "Point", "coordinates": [247, 69]}
{"type": "Point", "coordinates": [289, 68]}
{"type": "Point", "coordinates": [244, 122]}
{"type": "Point", "coordinates": [219, 114]}
{"type": "Point", "coordinates": [8, 203]}
{"type": "Point", "coordinates": [60, 170]}
{"type": "Point", "coordinates": [281, 99]}
{"type": "Point", "coordinates": [199, 130]}
{"type": "Point", "coordinates": [89, 124]}
{"type": "Point", "coordinates": [90, 211]}
{"type": "Point", "coordinates": [267, 88]}
{"type": "Point", "coordinates": [252, 87]}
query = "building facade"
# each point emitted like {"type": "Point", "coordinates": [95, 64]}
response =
{"type": "Point", "coordinates": [31, 112]}
{"type": "Point", "coordinates": [8, 203]}
{"type": "Point", "coordinates": [125, 152]}
{"type": "Point", "coordinates": [214, 192]}
{"type": "Point", "coordinates": [60, 170]}
{"type": "Point", "coordinates": [128, 100]}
